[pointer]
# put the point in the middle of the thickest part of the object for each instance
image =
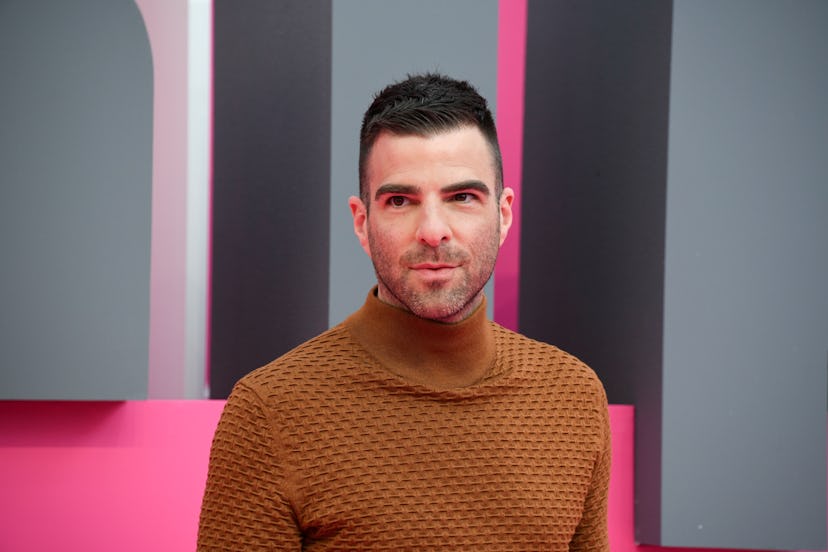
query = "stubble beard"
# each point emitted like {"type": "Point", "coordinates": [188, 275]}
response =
{"type": "Point", "coordinates": [440, 301]}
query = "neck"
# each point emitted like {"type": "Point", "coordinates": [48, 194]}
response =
{"type": "Point", "coordinates": [435, 354]}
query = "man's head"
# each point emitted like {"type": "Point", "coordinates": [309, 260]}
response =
{"type": "Point", "coordinates": [431, 180]}
{"type": "Point", "coordinates": [422, 105]}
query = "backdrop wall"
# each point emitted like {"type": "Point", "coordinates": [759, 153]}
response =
{"type": "Point", "coordinates": [635, 176]}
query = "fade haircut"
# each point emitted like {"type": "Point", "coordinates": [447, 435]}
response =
{"type": "Point", "coordinates": [424, 105]}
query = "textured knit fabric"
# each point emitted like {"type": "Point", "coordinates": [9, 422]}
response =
{"type": "Point", "coordinates": [334, 447]}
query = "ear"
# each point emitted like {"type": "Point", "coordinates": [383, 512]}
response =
{"type": "Point", "coordinates": [507, 196]}
{"type": "Point", "coordinates": [360, 214]}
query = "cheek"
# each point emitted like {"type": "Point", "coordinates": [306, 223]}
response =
{"type": "Point", "coordinates": [486, 241]}
{"type": "Point", "coordinates": [387, 235]}
{"type": "Point", "coordinates": [380, 244]}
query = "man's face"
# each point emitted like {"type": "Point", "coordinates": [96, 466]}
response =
{"type": "Point", "coordinates": [435, 223]}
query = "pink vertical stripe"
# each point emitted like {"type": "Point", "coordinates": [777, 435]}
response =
{"type": "Point", "coordinates": [511, 70]}
{"type": "Point", "coordinates": [168, 252]}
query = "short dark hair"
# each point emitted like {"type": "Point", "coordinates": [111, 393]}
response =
{"type": "Point", "coordinates": [426, 104]}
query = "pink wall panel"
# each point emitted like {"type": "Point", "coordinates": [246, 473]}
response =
{"type": "Point", "coordinates": [129, 476]}
{"type": "Point", "coordinates": [103, 476]}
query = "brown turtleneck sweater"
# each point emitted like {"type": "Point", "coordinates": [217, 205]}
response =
{"type": "Point", "coordinates": [390, 432]}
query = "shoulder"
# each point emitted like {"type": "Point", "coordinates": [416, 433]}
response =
{"type": "Point", "coordinates": [311, 364]}
{"type": "Point", "coordinates": [547, 362]}
{"type": "Point", "coordinates": [560, 382]}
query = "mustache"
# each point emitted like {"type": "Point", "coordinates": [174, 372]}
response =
{"type": "Point", "coordinates": [442, 254]}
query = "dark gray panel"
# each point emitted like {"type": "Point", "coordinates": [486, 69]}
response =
{"type": "Point", "coordinates": [595, 158]}
{"type": "Point", "coordinates": [75, 192]}
{"type": "Point", "coordinates": [271, 170]}
{"type": "Point", "coordinates": [595, 163]}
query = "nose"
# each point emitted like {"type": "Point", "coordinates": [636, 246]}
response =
{"type": "Point", "coordinates": [433, 228]}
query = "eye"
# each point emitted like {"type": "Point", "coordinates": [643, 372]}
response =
{"type": "Point", "coordinates": [463, 197]}
{"type": "Point", "coordinates": [397, 201]}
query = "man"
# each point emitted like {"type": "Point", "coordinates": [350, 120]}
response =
{"type": "Point", "coordinates": [417, 424]}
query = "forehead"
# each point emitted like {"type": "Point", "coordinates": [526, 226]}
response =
{"type": "Point", "coordinates": [458, 154]}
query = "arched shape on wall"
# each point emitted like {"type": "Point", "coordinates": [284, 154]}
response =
{"type": "Point", "coordinates": [76, 173]}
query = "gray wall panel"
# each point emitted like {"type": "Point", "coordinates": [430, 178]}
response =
{"type": "Point", "coordinates": [746, 276]}
{"type": "Point", "coordinates": [376, 42]}
{"type": "Point", "coordinates": [75, 191]}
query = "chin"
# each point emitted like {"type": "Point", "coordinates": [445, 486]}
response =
{"type": "Point", "coordinates": [450, 310]}
{"type": "Point", "coordinates": [438, 315]}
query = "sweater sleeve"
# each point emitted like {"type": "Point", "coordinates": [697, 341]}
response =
{"type": "Point", "coordinates": [245, 504]}
{"type": "Point", "coordinates": [592, 532]}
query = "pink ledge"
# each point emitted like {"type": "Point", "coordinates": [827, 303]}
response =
{"type": "Point", "coordinates": [129, 476]}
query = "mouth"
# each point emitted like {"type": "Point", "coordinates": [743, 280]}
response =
{"type": "Point", "coordinates": [434, 273]}
{"type": "Point", "coordinates": [433, 266]}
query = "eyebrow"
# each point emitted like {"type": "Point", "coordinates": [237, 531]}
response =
{"type": "Point", "coordinates": [408, 189]}
{"type": "Point", "coordinates": [467, 185]}
{"type": "Point", "coordinates": [402, 189]}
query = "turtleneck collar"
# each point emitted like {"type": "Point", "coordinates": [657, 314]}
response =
{"type": "Point", "coordinates": [425, 352]}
